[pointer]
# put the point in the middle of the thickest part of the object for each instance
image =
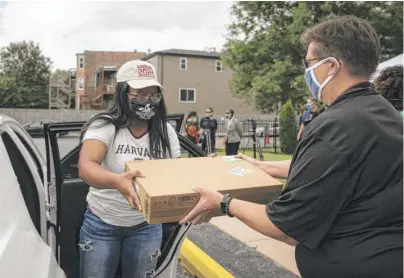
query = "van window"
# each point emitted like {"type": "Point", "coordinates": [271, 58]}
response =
{"type": "Point", "coordinates": [33, 156]}
{"type": "Point", "coordinates": [25, 180]}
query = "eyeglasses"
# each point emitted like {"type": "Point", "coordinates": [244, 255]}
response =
{"type": "Point", "coordinates": [208, 112]}
{"type": "Point", "coordinates": [142, 96]}
{"type": "Point", "coordinates": [306, 62]}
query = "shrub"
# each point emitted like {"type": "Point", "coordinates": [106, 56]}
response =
{"type": "Point", "coordinates": [288, 128]}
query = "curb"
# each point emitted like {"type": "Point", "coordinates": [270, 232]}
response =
{"type": "Point", "coordinates": [199, 264]}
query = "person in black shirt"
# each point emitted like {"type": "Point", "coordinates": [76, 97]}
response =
{"type": "Point", "coordinates": [342, 205]}
{"type": "Point", "coordinates": [208, 127]}
{"type": "Point", "coordinates": [312, 111]}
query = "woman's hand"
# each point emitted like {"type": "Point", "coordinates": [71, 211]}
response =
{"type": "Point", "coordinates": [124, 184]}
{"type": "Point", "coordinates": [209, 201]}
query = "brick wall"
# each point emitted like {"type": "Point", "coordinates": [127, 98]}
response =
{"type": "Point", "coordinates": [94, 60]}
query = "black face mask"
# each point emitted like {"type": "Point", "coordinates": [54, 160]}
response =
{"type": "Point", "coordinates": [142, 111]}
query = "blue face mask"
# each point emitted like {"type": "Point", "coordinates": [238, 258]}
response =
{"type": "Point", "coordinates": [308, 106]}
{"type": "Point", "coordinates": [312, 83]}
{"type": "Point", "coordinates": [314, 86]}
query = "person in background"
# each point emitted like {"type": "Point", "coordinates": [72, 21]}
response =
{"type": "Point", "coordinates": [389, 84]}
{"type": "Point", "coordinates": [208, 126]}
{"type": "Point", "coordinates": [342, 205]}
{"type": "Point", "coordinates": [234, 133]}
{"type": "Point", "coordinates": [191, 126]}
{"type": "Point", "coordinates": [312, 110]}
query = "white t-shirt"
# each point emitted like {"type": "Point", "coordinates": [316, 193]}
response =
{"type": "Point", "coordinates": [109, 204]}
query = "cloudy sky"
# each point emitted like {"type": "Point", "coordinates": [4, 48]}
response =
{"type": "Point", "coordinates": [64, 28]}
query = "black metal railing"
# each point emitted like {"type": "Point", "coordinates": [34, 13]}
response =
{"type": "Point", "coordinates": [266, 133]}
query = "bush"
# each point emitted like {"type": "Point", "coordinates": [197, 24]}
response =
{"type": "Point", "coordinates": [288, 128]}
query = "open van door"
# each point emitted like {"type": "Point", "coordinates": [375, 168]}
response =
{"type": "Point", "coordinates": [70, 195]}
{"type": "Point", "coordinates": [26, 233]}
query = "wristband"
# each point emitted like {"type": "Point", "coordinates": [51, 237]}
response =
{"type": "Point", "coordinates": [225, 204]}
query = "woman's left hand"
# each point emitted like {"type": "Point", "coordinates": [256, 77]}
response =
{"type": "Point", "coordinates": [208, 202]}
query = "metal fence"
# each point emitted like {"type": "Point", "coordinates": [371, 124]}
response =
{"type": "Point", "coordinates": [266, 134]}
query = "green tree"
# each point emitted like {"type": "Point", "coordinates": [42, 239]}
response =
{"type": "Point", "coordinates": [288, 128]}
{"type": "Point", "coordinates": [24, 76]}
{"type": "Point", "coordinates": [263, 44]}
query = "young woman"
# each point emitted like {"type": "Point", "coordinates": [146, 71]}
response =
{"type": "Point", "coordinates": [234, 133]}
{"type": "Point", "coordinates": [135, 128]}
{"type": "Point", "coordinates": [192, 127]}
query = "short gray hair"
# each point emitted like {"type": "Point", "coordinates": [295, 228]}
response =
{"type": "Point", "coordinates": [348, 38]}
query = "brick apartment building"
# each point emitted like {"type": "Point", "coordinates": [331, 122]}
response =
{"type": "Point", "coordinates": [95, 77]}
{"type": "Point", "coordinates": [194, 80]}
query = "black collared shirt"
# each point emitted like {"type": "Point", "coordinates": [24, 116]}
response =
{"type": "Point", "coordinates": [343, 201]}
{"type": "Point", "coordinates": [310, 117]}
{"type": "Point", "coordinates": [209, 123]}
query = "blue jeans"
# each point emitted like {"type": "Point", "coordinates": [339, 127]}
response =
{"type": "Point", "coordinates": [103, 246]}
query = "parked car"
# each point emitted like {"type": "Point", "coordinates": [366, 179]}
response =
{"type": "Point", "coordinates": [36, 128]}
{"type": "Point", "coordinates": [43, 201]}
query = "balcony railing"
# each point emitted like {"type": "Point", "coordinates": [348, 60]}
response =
{"type": "Point", "coordinates": [105, 89]}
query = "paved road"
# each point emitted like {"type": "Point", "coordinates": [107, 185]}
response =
{"type": "Point", "coordinates": [238, 258]}
{"type": "Point", "coordinates": [241, 260]}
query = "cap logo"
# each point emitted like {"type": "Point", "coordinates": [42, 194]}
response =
{"type": "Point", "coordinates": [145, 71]}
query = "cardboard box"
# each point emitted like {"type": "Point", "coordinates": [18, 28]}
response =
{"type": "Point", "coordinates": [166, 190]}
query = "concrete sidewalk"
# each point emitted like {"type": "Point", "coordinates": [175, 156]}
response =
{"type": "Point", "coordinates": [278, 251]}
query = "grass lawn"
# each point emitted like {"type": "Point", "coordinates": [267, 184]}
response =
{"type": "Point", "coordinates": [268, 156]}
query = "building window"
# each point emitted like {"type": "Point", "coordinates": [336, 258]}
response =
{"type": "Point", "coordinates": [183, 63]}
{"type": "Point", "coordinates": [81, 62]}
{"type": "Point", "coordinates": [187, 95]}
{"type": "Point", "coordinates": [218, 66]}
{"type": "Point", "coordinates": [81, 83]}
